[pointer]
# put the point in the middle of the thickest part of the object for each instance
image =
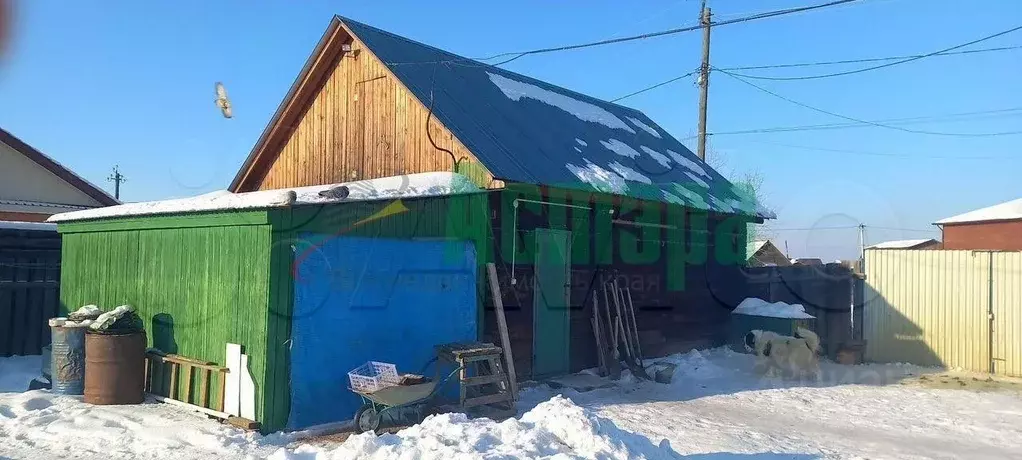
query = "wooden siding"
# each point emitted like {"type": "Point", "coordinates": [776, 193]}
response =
{"type": "Point", "coordinates": [196, 288]}
{"type": "Point", "coordinates": [363, 124]}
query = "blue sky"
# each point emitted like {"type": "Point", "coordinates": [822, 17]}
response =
{"type": "Point", "coordinates": [95, 84]}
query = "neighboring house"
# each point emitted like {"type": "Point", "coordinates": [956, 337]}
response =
{"type": "Point", "coordinates": [33, 186]}
{"type": "Point", "coordinates": [764, 253]}
{"type": "Point", "coordinates": [929, 243]}
{"type": "Point", "coordinates": [997, 228]}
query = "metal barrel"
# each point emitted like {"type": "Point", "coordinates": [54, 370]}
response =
{"type": "Point", "coordinates": [68, 359]}
{"type": "Point", "coordinates": [115, 368]}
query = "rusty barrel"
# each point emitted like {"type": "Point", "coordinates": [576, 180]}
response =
{"type": "Point", "coordinates": [67, 360]}
{"type": "Point", "coordinates": [114, 368]}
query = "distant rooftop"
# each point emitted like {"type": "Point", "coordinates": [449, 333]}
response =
{"type": "Point", "coordinates": [902, 244]}
{"type": "Point", "coordinates": [1010, 210]}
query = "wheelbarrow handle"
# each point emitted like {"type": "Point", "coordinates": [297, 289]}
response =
{"type": "Point", "coordinates": [426, 366]}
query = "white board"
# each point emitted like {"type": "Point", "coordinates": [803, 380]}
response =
{"type": "Point", "coordinates": [247, 394]}
{"type": "Point", "coordinates": [232, 389]}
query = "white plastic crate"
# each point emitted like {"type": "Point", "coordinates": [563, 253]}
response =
{"type": "Point", "coordinates": [373, 376]}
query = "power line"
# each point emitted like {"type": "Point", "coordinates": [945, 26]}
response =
{"type": "Point", "coordinates": [880, 154]}
{"type": "Point", "coordinates": [514, 55]}
{"type": "Point", "coordinates": [652, 87]}
{"type": "Point", "coordinates": [865, 60]}
{"type": "Point", "coordinates": [881, 66]}
{"type": "Point", "coordinates": [824, 63]}
{"type": "Point", "coordinates": [858, 120]}
{"type": "Point", "coordinates": [952, 117]}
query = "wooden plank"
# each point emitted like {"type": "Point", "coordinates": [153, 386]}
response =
{"type": "Point", "coordinates": [488, 399]}
{"type": "Point", "coordinates": [204, 377]}
{"type": "Point", "coordinates": [243, 423]}
{"type": "Point", "coordinates": [505, 341]}
{"type": "Point", "coordinates": [207, 411]}
{"type": "Point", "coordinates": [188, 383]}
{"type": "Point", "coordinates": [232, 387]}
{"type": "Point", "coordinates": [172, 393]}
{"type": "Point", "coordinates": [222, 381]}
{"type": "Point", "coordinates": [482, 380]}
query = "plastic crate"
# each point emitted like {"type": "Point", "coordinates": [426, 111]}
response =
{"type": "Point", "coordinates": [373, 376]}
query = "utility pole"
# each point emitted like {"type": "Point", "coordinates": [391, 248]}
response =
{"type": "Point", "coordinates": [704, 79]}
{"type": "Point", "coordinates": [116, 177]}
{"type": "Point", "coordinates": [862, 242]}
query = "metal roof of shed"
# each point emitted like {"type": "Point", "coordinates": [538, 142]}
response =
{"type": "Point", "coordinates": [530, 131]}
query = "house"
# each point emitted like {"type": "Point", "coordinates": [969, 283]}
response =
{"type": "Point", "coordinates": [995, 228]}
{"type": "Point", "coordinates": [360, 226]}
{"type": "Point", "coordinates": [764, 253]}
{"type": "Point", "coordinates": [925, 243]}
{"type": "Point", "coordinates": [33, 186]}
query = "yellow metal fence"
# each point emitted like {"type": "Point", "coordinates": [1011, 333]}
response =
{"type": "Point", "coordinates": [959, 309]}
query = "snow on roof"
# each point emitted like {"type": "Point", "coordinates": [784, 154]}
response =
{"type": "Point", "coordinates": [1010, 210]}
{"type": "Point", "coordinates": [754, 246]}
{"type": "Point", "coordinates": [644, 126]}
{"type": "Point", "coordinates": [516, 90]}
{"type": "Point", "coordinates": [900, 244]}
{"type": "Point", "coordinates": [406, 186]}
{"type": "Point", "coordinates": [15, 225]}
{"type": "Point", "coordinates": [759, 307]}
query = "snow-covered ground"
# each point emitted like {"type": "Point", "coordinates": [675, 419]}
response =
{"type": "Point", "coordinates": [717, 408]}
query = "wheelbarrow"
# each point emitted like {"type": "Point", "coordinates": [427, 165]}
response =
{"type": "Point", "coordinates": [403, 395]}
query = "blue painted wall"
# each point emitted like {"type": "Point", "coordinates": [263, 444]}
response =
{"type": "Point", "coordinates": [362, 299]}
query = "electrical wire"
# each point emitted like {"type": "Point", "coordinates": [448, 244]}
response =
{"type": "Point", "coordinates": [655, 86]}
{"type": "Point", "coordinates": [859, 120]}
{"type": "Point", "coordinates": [897, 155]}
{"type": "Point", "coordinates": [865, 60]}
{"type": "Point", "coordinates": [953, 117]}
{"type": "Point", "coordinates": [881, 66]}
{"type": "Point", "coordinates": [821, 63]}
{"type": "Point", "coordinates": [514, 55]}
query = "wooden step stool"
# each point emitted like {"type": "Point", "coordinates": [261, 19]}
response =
{"type": "Point", "coordinates": [484, 387]}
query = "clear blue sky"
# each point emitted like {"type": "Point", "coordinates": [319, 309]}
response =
{"type": "Point", "coordinates": [95, 84]}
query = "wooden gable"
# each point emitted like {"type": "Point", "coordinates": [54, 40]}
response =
{"type": "Point", "coordinates": [349, 118]}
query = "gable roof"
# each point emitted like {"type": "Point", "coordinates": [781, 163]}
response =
{"type": "Point", "coordinates": [57, 169]}
{"type": "Point", "coordinates": [529, 131]}
{"type": "Point", "coordinates": [1011, 210]}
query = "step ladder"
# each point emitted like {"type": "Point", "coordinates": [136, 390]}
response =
{"type": "Point", "coordinates": [483, 383]}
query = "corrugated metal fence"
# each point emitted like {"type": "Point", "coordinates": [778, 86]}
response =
{"type": "Point", "coordinates": [29, 289]}
{"type": "Point", "coordinates": [960, 309]}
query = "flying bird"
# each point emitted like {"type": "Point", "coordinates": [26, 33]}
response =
{"type": "Point", "coordinates": [222, 101]}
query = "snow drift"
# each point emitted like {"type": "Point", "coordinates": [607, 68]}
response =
{"type": "Point", "coordinates": [553, 429]}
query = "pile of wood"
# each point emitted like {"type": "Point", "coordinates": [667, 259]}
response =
{"type": "Point", "coordinates": [616, 331]}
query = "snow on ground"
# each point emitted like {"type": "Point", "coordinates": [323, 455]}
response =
{"type": "Point", "coordinates": [717, 408]}
{"type": "Point", "coordinates": [759, 307]}
{"type": "Point", "coordinates": [17, 371]}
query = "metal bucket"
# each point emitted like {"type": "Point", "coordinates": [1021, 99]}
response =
{"type": "Point", "coordinates": [115, 368]}
{"type": "Point", "coordinates": [68, 359]}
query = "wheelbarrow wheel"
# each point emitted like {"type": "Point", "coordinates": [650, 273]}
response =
{"type": "Point", "coordinates": [367, 419]}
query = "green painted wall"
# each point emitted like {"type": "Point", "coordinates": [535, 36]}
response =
{"type": "Point", "coordinates": [198, 281]}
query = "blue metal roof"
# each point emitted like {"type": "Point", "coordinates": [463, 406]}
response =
{"type": "Point", "coordinates": [529, 131]}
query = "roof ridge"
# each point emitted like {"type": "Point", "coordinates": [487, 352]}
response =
{"type": "Point", "coordinates": [534, 80]}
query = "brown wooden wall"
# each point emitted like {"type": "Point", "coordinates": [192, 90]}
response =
{"type": "Point", "coordinates": [1004, 236]}
{"type": "Point", "coordinates": [23, 216]}
{"type": "Point", "coordinates": [363, 124]}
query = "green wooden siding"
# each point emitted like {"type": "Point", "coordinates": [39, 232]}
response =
{"type": "Point", "coordinates": [196, 288]}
